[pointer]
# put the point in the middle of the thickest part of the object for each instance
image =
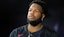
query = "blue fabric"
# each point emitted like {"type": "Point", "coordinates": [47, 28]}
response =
{"type": "Point", "coordinates": [38, 35]}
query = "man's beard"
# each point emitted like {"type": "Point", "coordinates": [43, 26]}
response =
{"type": "Point", "coordinates": [36, 22]}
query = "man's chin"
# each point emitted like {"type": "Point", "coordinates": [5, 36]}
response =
{"type": "Point", "coordinates": [34, 23]}
{"type": "Point", "coordinates": [32, 20]}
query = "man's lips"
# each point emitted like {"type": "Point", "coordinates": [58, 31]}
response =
{"type": "Point", "coordinates": [31, 16]}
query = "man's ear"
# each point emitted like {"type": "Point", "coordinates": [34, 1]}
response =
{"type": "Point", "coordinates": [43, 16]}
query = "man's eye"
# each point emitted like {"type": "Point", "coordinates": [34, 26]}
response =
{"type": "Point", "coordinates": [37, 10]}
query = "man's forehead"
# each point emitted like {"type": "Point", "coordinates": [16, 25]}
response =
{"type": "Point", "coordinates": [34, 5]}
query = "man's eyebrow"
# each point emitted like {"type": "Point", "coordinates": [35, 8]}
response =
{"type": "Point", "coordinates": [35, 9]}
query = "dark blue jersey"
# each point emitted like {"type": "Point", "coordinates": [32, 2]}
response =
{"type": "Point", "coordinates": [23, 32]}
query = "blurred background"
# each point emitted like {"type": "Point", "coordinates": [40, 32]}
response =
{"type": "Point", "coordinates": [13, 14]}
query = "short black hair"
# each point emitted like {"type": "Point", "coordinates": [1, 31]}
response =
{"type": "Point", "coordinates": [43, 5]}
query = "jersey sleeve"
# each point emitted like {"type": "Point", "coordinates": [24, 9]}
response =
{"type": "Point", "coordinates": [54, 35]}
{"type": "Point", "coordinates": [16, 32]}
{"type": "Point", "coordinates": [13, 33]}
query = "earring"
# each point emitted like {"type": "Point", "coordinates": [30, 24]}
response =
{"type": "Point", "coordinates": [42, 19]}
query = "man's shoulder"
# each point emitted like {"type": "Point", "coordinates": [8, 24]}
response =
{"type": "Point", "coordinates": [20, 28]}
{"type": "Point", "coordinates": [17, 31]}
{"type": "Point", "coordinates": [51, 33]}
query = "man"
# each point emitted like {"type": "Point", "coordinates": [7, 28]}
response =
{"type": "Point", "coordinates": [36, 13]}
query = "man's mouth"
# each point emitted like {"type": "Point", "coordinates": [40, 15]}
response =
{"type": "Point", "coordinates": [31, 17]}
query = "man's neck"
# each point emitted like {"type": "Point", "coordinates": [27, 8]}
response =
{"type": "Point", "coordinates": [34, 28]}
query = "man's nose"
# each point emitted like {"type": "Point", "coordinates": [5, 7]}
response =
{"type": "Point", "coordinates": [32, 12]}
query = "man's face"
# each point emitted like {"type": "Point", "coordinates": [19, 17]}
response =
{"type": "Point", "coordinates": [34, 12]}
